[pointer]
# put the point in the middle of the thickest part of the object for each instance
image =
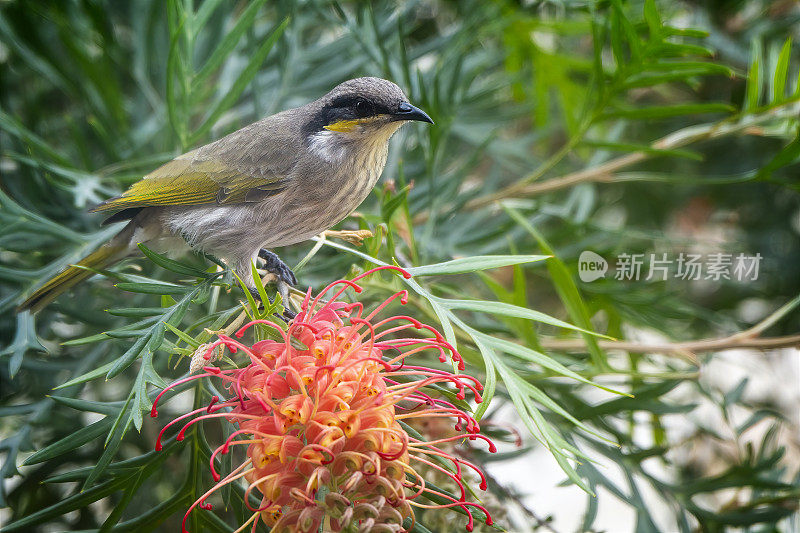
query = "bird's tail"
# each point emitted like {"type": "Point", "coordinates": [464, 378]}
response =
{"type": "Point", "coordinates": [102, 257]}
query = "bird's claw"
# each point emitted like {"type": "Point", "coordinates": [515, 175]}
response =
{"type": "Point", "coordinates": [274, 265]}
{"type": "Point", "coordinates": [286, 279]}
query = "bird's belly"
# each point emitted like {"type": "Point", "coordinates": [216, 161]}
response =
{"type": "Point", "coordinates": [302, 220]}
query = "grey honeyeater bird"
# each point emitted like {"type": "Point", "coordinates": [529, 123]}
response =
{"type": "Point", "coordinates": [276, 182]}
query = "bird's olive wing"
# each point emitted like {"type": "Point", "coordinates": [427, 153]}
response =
{"type": "Point", "coordinates": [191, 181]}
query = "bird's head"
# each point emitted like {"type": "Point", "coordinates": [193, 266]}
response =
{"type": "Point", "coordinates": [363, 109]}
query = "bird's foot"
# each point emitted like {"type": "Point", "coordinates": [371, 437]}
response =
{"type": "Point", "coordinates": [286, 278]}
{"type": "Point", "coordinates": [274, 265]}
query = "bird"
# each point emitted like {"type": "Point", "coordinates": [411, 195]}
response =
{"type": "Point", "coordinates": [273, 183]}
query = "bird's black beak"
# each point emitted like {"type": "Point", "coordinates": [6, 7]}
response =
{"type": "Point", "coordinates": [406, 111]}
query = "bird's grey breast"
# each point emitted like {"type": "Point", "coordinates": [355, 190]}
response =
{"type": "Point", "coordinates": [336, 177]}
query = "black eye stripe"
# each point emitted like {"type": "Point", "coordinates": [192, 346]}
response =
{"type": "Point", "coordinates": [347, 107]}
{"type": "Point", "coordinates": [360, 106]}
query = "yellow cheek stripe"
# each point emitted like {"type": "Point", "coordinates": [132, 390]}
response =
{"type": "Point", "coordinates": [345, 126]}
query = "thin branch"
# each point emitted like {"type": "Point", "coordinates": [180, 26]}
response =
{"type": "Point", "coordinates": [704, 345]}
{"type": "Point", "coordinates": [600, 173]}
{"type": "Point", "coordinates": [605, 172]}
{"type": "Point", "coordinates": [748, 338]}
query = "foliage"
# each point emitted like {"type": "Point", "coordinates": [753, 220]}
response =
{"type": "Point", "coordinates": [560, 127]}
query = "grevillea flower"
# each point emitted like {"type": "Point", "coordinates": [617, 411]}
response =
{"type": "Point", "coordinates": [320, 414]}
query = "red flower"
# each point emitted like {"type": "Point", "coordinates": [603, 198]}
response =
{"type": "Point", "coordinates": [320, 414]}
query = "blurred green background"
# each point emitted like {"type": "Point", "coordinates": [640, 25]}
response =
{"type": "Point", "coordinates": [615, 127]}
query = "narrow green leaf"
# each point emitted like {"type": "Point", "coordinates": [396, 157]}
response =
{"type": "Point", "coordinates": [667, 111]}
{"type": "Point", "coordinates": [598, 39]}
{"type": "Point", "coordinates": [501, 308]}
{"type": "Point", "coordinates": [153, 288]}
{"type": "Point", "coordinates": [262, 293]}
{"type": "Point", "coordinates": [204, 12]}
{"type": "Point", "coordinates": [788, 155]}
{"type": "Point", "coordinates": [667, 49]}
{"type": "Point", "coordinates": [170, 264]}
{"type": "Point", "coordinates": [252, 305]}
{"type": "Point", "coordinates": [25, 339]}
{"type": "Point", "coordinates": [77, 501]}
{"type": "Point", "coordinates": [644, 148]}
{"type": "Point", "coordinates": [704, 67]}
{"type": "Point", "coordinates": [112, 443]}
{"type": "Point", "coordinates": [126, 359]}
{"type": "Point", "coordinates": [781, 72]}
{"type": "Point", "coordinates": [183, 336]}
{"type": "Point", "coordinates": [684, 32]}
{"type": "Point", "coordinates": [135, 312]}
{"type": "Point", "coordinates": [241, 82]}
{"type": "Point", "coordinates": [490, 383]}
{"type": "Point", "coordinates": [226, 46]}
{"type": "Point", "coordinates": [128, 492]}
{"type": "Point", "coordinates": [174, 108]}
{"type": "Point", "coordinates": [668, 72]}
{"type": "Point", "coordinates": [632, 38]}
{"type": "Point", "coordinates": [652, 18]}
{"type": "Point", "coordinates": [103, 408]}
{"type": "Point", "coordinates": [566, 288]}
{"type": "Point", "coordinates": [533, 356]}
{"type": "Point", "coordinates": [754, 80]}
{"type": "Point", "coordinates": [72, 441]}
{"type": "Point", "coordinates": [88, 376]}
{"type": "Point", "coordinates": [616, 34]}
{"type": "Point", "coordinates": [473, 264]}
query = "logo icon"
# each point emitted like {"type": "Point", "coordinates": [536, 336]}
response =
{"type": "Point", "coordinates": [591, 266]}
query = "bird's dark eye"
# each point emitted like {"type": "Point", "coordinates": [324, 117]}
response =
{"type": "Point", "coordinates": [363, 108]}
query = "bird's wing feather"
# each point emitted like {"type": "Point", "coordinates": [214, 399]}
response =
{"type": "Point", "coordinates": [190, 180]}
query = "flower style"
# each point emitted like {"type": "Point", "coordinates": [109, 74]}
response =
{"type": "Point", "coordinates": [321, 414]}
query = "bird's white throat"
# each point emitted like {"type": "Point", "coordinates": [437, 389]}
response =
{"type": "Point", "coordinates": [335, 146]}
{"type": "Point", "coordinates": [329, 145]}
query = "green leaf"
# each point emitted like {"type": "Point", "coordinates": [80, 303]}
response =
{"type": "Point", "coordinates": [226, 46]}
{"type": "Point", "coordinates": [170, 264]}
{"type": "Point", "coordinates": [174, 109]}
{"type": "Point", "coordinates": [754, 79]}
{"type": "Point", "coordinates": [262, 293]}
{"type": "Point", "coordinates": [153, 288]}
{"type": "Point", "coordinates": [135, 312]}
{"type": "Point", "coordinates": [473, 264]}
{"type": "Point", "coordinates": [788, 155]}
{"type": "Point", "coordinates": [781, 72]}
{"type": "Point", "coordinates": [88, 376]}
{"type": "Point", "coordinates": [77, 501]}
{"type": "Point", "coordinates": [130, 355]}
{"type": "Point", "coordinates": [644, 148]}
{"type": "Point", "coordinates": [188, 339]}
{"type": "Point", "coordinates": [667, 111]}
{"type": "Point", "coordinates": [204, 12]}
{"type": "Point", "coordinates": [500, 308]}
{"type": "Point", "coordinates": [12, 126]}
{"type": "Point", "coordinates": [24, 340]}
{"type": "Point", "coordinates": [72, 441]}
{"type": "Point", "coordinates": [567, 290]}
{"type": "Point", "coordinates": [240, 84]}
{"type": "Point", "coordinates": [103, 408]}
{"type": "Point", "coordinates": [490, 383]}
{"type": "Point", "coordinates": [652, 18]}
{"type": "Point", "coordinates": [533, 356]}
